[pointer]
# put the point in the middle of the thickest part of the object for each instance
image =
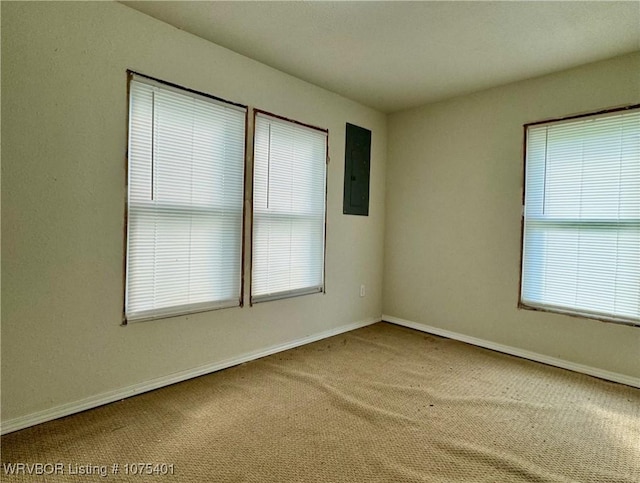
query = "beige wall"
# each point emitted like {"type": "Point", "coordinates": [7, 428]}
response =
{"type": "Point", "coordinates": [64, 130]}
{"type": "Point", "coordinates": [454, 187]}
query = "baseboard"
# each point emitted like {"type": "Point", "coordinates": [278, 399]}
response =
{"type": "Point", "coordinates": [514, 351]}
{"type": "Point", "coordinates": [91, 402]}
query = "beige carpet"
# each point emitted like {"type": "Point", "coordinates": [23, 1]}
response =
{"type": "Point", "coordinates": [382, 403]}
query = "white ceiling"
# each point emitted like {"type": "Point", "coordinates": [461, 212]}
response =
{"type": "Point", "coordinates": [394, 55]}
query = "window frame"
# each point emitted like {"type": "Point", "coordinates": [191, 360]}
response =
{"type": "Point", "coordinates": [251, 191]}
{"type": "Point", "coordinates": [195, 308]}
{"type": "Point", "coordinates": [559, 310]}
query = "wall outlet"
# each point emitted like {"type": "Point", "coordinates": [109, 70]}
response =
{"type": "Point", "coordinates": [362, 291]}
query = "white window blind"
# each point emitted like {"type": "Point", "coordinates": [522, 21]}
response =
{"type": "Point", "coordinates": [582, 216]}
{"type": "Point", "coordinates": [288, 209]}
{"type": "Point", "coordinates": [185, 200]}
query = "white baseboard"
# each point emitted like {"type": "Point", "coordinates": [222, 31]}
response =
{"type": "Point", "coordinates": [22, 422]}
{"type": "Point", "coordinates": [514, 351]}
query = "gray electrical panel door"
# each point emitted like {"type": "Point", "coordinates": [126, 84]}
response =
{"type": "Point", "coordinates": [357, 164]}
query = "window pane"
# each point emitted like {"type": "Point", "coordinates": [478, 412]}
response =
{"type": "Point", "coordinates": [288, 209]}
{"type": "Point", "coordinates": [582, 216]}
{"type": "Point", "coordinates": [186, 172]}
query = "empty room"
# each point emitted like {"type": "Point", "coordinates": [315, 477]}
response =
{"type": "Point", "coordinates": [320, 241]}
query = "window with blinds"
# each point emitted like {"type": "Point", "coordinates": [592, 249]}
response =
{"type": "Point", "coordinates": [288, 209]}
{"type": "Point", "coordinates": [581, 240]}
{"type": "Point", "coordinates": [185, 201]}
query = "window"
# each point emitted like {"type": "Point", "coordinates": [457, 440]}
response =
{"type": "Point", "coordinates": [288, 209]}
{"type": "Point", "coordinates": [581, 240]}
{"type": "Point", "coordinates": [185, 201]}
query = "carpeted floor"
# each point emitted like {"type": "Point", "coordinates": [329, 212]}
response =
{"type": "Point", "coordinates": [382, 403]}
